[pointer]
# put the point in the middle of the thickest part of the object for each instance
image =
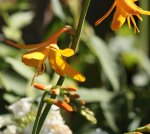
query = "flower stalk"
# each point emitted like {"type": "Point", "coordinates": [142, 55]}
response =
{"type": "Point", "coordinates": [40, 118]}
{"type": "Point", "coordinates": [144, 28]}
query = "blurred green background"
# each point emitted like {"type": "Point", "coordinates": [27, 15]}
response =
{"type": "Point", "coordinates": [116, 64]}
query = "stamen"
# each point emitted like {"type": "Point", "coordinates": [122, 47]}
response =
{"type": "Point", "coordinates": [32, 81]}
{"type": "Point", "coordinates": [43, 67]}
{"type": "Point", "coordinates": [106, 15]}
{"type": "Point", "coordinates": [129, 23]}
{"type": "Point", "coordinates": [38, 71]}
{"type": "Point", "coordinates": [40, 68]}
{"type": "Point", "coordinates": [134, 23]}
{"type": "Point", "coordinates": [139, 17]}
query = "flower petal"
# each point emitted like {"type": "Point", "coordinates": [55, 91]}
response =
{"type": "Point", "coordinates": [34, 57]}
{"type": "Point", "coordinates": [61, 67]}
{"type": "Point", "coordinates": [106, 15]}
{"type": "Point", "coordinates": [118, 18]}
{"type": "Point", "coordinates": [52, 61]}
{"type": "Point", "coordinates": [131, 7]}
{"type": "Point", "coordinates": [66, 52]}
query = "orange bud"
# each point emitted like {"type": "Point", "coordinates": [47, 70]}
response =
{"type": "Point", "coordinates": [59, 103]}
{"type": "Point", "coordinates": [137, 133]}
{"type": "Point", "coordinates": [40, 86]}
{"type": "Point", "coordinates": [63, 105]}
{"type": "Point", "coordinates": [67, 99]}
{"type": "Point", "coordinates": [76, 96]}
{"type": "Point", "coordinates": [55, 91]}
{"type": "Point", "coordinates": [71, 89]}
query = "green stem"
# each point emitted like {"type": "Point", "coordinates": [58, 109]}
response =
{"type": "Point", "coordinates": [76, 39]}
{"type": "Point", "coordinates": [48, 106]}
{"type": "Point", "coordinates": [144, 29]}
{"type": "Point", "coordinates": [39, 112]}
{"type": "Point", "coordinates": [74, 47]}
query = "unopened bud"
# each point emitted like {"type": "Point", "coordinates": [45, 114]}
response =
{"type": "Point", "coordinates": [41, 86]}
{"type": "Point", "coordinates": [137, 133]}
{"type": "Point", "coordinates": [71, 89]}
{"type": "Point", "coordinates": [59, 103]}
{"type": "Point", "coordinates": [64, 105]}
{"type": "Point", "coordinates": [134, 133]}
{"type": "Point", "coordinates": [76, 96]}
{"type": "Point", "coordinates": [55, 91]}
{"type": "Point", "coordinates": [67, 99]}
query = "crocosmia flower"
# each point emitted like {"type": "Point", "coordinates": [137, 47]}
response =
{"type": "Point", "coordinates": [125, 10]}
{"type": "Point", "coordinates": [49, 50]}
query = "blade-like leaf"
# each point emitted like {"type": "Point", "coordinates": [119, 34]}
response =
{"type": "Point", "coordinates": [57, 8]}
{"type": "Point", "coordinates": [96, 94]}
{"type": "Point", "coordinates": [25, 71]}
{"type": "Point", "coordinates": [99, 48]}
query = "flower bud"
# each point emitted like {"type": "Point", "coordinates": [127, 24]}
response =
{"type": "Point", "coordinates": [59, 103]}
{"type": "Point", "coordinates": [75, 96]}
{"type": "Point", "coordinates": [71, 89]}
{"type": "Point", "coordinates": [67, 99]}
{"type": "Point", "coordinates": [41, 86]}
{"type": "Point", "coordinates": [55, 91]}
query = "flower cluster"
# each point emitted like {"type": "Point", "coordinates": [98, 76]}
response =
{"type": "Point", "coordinates": [69, 100]}
{"type": "Point", "coordinates": [125, 9]}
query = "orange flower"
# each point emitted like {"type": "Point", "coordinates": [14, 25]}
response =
{"type": "Point", "coordinates": [49, 49]}
{"type": "Point", "coordinates": [125, 9]}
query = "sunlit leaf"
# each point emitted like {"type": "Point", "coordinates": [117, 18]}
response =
{"type": "Point", "coordinates": [13, 83]}
{"type": "Point", "coordinates": [57, 8]}
{"type": "Point", "coordinates": [105, 57]}
{"type": "Point", "coordinates": [95, 94]}
{"type": "Point", "coordinates": [7, 51]}
{"type": "Point", "coordinates": [21, 19]}
{"type": "Point", "coordinates": [25, 71]}
{"type": "Point", "coordinates": [109, 117]}
{"type": "Point", "coordinates": [10, 98]}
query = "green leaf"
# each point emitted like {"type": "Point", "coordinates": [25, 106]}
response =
{"type": "Point", "coordinates": [109, 115]}
{"type": "Point", "coordinates": [99, 48]}
{"type": "Point", "coordinates": [7, 50]}
{"type": "Point", "coordinates": [12, 33]}
{"type": "Point", "coordinates": [96, 94]}
{"type": "Point", "coordinates": [144, 62]}
{"type": "Point", "coordinates": [20, 68]}
{"type": "Point", "coordinates": [10, 98]}
{"type": "Point", "coordinates": [57, 9]}
{"type": "Point", "coordinates": [12, 30]}
{"type": "Point", "coordinates": [13, 83]}
{"type": "Point", "coordinates": [25, 17]}
{"type": "Point", "coordinates": [25, 71]}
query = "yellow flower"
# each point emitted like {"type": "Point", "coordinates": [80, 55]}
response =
{"type": "Point", "coordinates": [49, 49]}
{"type": "Point", "coordinates": [125, 9]}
